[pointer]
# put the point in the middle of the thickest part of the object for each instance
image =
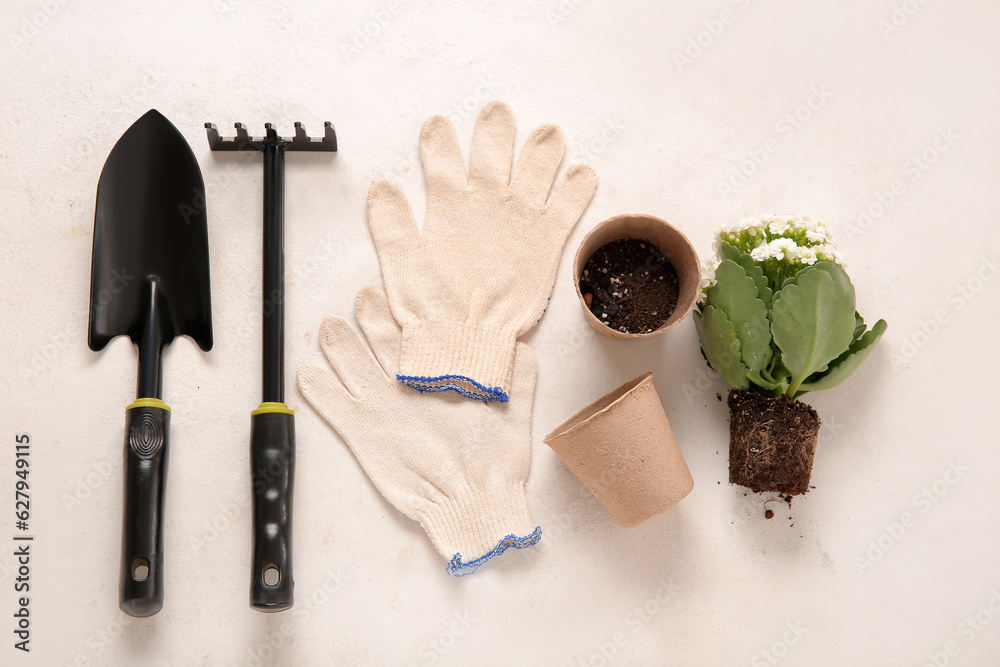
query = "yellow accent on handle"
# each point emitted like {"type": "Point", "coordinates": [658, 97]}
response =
{"type": "Point", "coordinates": [265, 408]}
{"type": "Point", "coordinates": [149, 403]}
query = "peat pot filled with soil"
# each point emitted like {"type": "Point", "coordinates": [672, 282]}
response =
{"type": "Point", "coordinates": [777, 319]}
{"type": "Point", "coordinates": [636, 276]}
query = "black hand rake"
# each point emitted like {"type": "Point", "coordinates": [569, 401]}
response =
{"type": "Point", "coordinates": [272, 433]}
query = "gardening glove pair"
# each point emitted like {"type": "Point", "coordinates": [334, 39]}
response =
{"type": "Point", "coordinates": [458, 467]}
{"type": "Point", "coordinates": [480, 272]}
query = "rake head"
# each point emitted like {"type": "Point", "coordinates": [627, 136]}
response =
{"type": "Point", "coordinates": [300, 142]}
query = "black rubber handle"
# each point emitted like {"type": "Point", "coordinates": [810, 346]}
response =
{"type": "Point", "coordinates": [272, 457]}
{"type": "Point", "coordinates": [140, 590]}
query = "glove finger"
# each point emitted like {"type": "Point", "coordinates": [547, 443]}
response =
{"type": "Point", "coordinates": [391, 220]}
{"type": "Point", "coordinates": [570, 198]}
{"type": "Point", "coordinates": [538, 163]}
{"type": "Point", "coordinates": [492, 146]}
{"type": "Point", "coordinates": [335, 404]}
{"type": "Point", "coordinates": [350, 357]}
{"type": "Point", "coordinates": [325, 393]}
{"type": "Point", "coordinates": [444, 167]}
{"type": "Point", "coordinates": [379, 326]}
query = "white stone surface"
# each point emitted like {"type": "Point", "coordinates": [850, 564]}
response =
{"type": "Point", "coordinates": [710, 582]}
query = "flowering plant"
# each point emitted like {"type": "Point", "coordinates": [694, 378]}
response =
{"type": "Point", "coordinates": [777, 312]}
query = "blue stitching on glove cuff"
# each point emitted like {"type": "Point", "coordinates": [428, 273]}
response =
{"type": "Point", "coordinates": [460, 569]}
{"type": "Point", "coordinates": [450, 383]}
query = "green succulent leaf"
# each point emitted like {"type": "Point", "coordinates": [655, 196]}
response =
{"type": "Point", "coordinates": [840, 277]}
{"type": "Point", "coordinates": [776, 370]}
{"type": "Point", "coordinates": [721, 347]}
{"type": "Point", "coordinates": [859, 325]}
{"type": "Point", "coordinates": [727, 251]}
{"type": "Point", "coordinates": [735, 294]}
{"type": "Point", "coordinates": [775, 377]}
{"type": "Point", "coordinates": [792, 279]}
{"type": "Point", "coordinates": [812, 320]}
{"type": "Point", "coordinates": [761, 381]}
{"type": "Point", "coordinates": [843, 366]}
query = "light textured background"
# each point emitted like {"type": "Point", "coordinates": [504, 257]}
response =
{"type": "Point", "coordinates": [710, 582]}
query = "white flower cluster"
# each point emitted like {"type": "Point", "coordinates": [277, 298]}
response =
{"type": "Point", "coordinates": [785, 248]}
{"type": "Point", "coordinates": [782, 237]}
{"type": "Point", "coordinates": [708, 276]}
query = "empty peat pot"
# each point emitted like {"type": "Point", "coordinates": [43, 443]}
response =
{"type": "Point", "coordinates": [634, 281]}
{"type": "Point", "coordinates": [623, 449]}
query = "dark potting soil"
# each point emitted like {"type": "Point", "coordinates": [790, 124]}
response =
{"type": "Point", "coordinates": [630, 285]}
{"type": "Point", "coordinates": [772, 442]}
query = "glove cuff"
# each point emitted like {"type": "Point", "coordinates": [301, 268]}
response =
{"type": "Point", "coordinates": [474, 526]}
{"type": "Point", "coordinates": [470, 358]}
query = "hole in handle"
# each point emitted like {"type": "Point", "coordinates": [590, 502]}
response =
{"type": "Point", "coordinates": [272, 575]}
{"type": "Point", "coordinates": [140, 569]}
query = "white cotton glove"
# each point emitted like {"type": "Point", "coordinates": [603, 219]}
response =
{"type": "Point", "coordinates": [480, 272]}
{"type": "Point", "coordinates": [456, 466]}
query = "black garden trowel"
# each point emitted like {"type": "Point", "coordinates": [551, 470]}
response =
{"type": "Point", "coordinates": [150, 282]}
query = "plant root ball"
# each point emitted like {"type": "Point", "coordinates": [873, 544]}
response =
{"type": "Point", "coordinates": [772, 442]}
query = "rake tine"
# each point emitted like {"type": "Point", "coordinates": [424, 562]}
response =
{"type": "Point", "coordinates": [213, 136]}
{"type": "Point", "coordinates": [242, 136]}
